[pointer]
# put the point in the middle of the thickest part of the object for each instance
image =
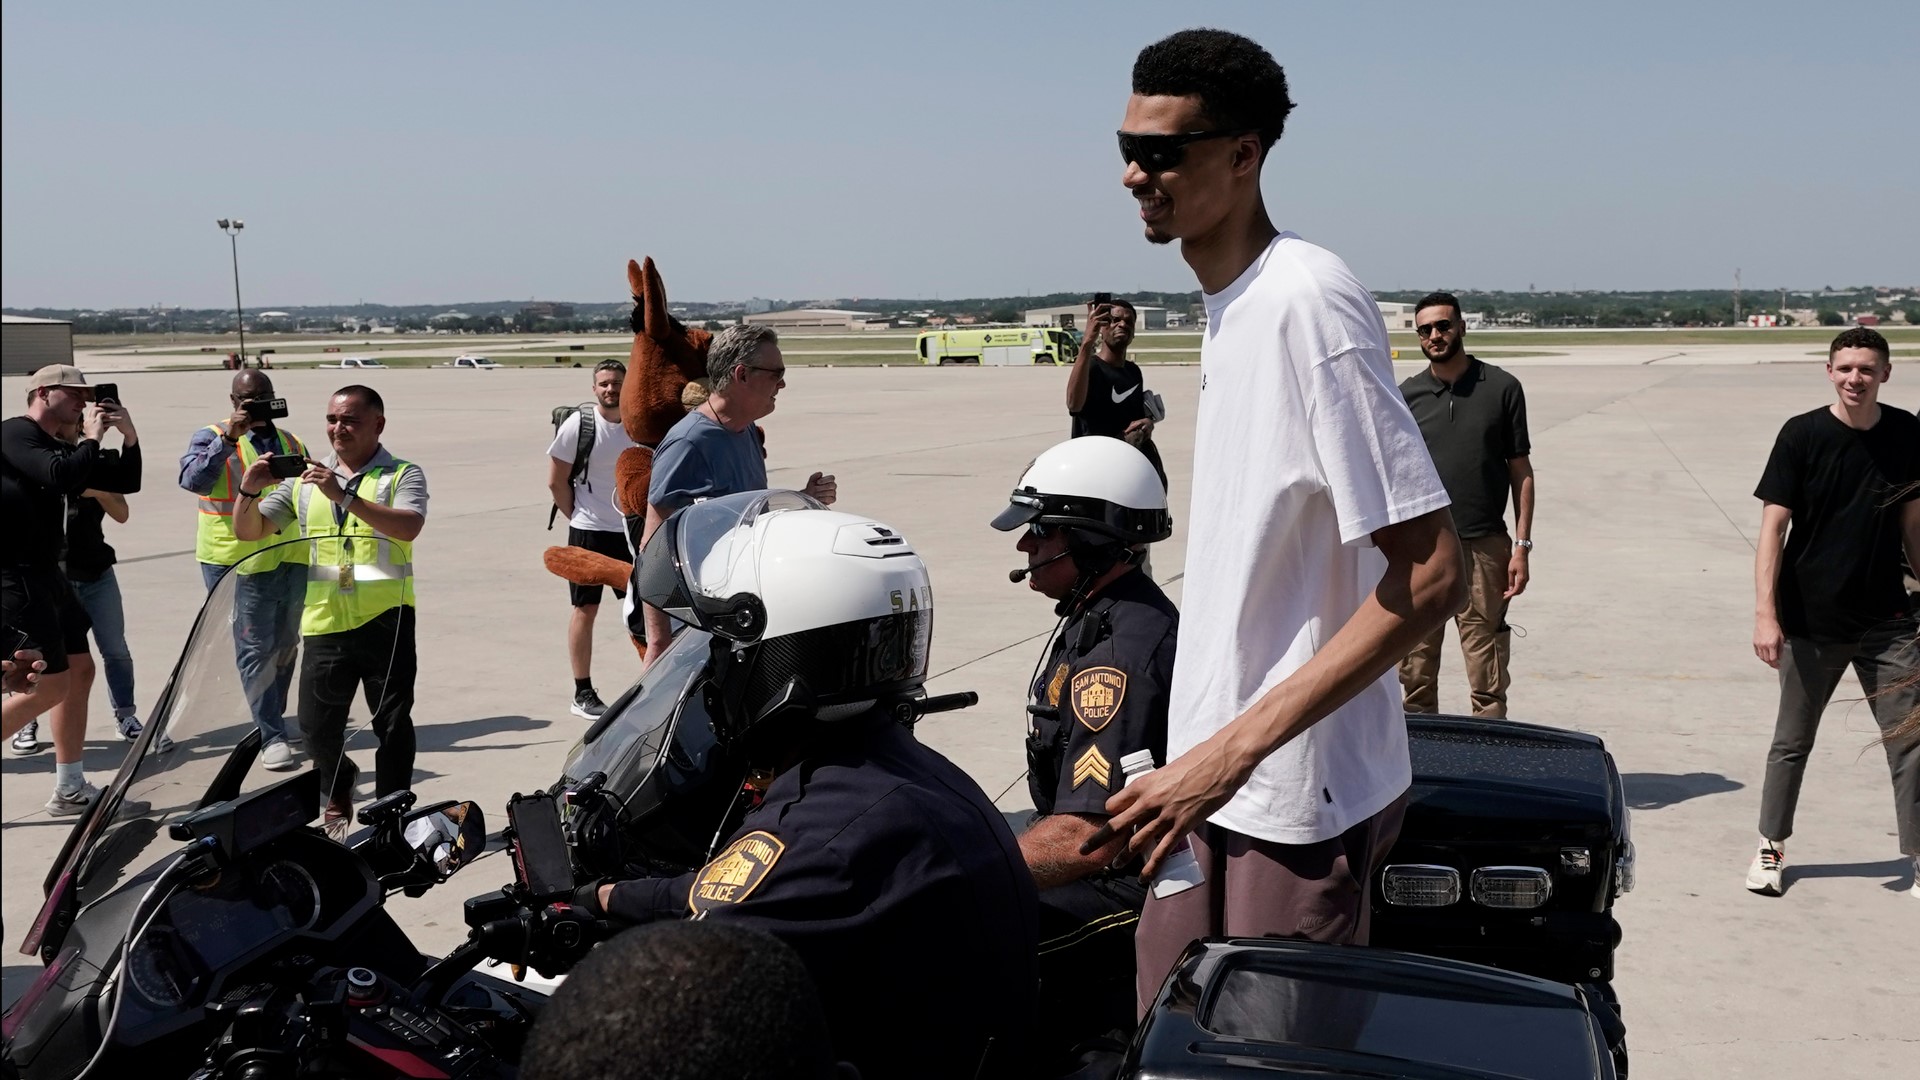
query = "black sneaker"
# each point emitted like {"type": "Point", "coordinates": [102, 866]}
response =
{"type": "Point", "coordinates": [587, 705]}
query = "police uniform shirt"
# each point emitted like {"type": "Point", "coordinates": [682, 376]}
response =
{"type": "Point", "coordinates": [900, 886]}
{"type": "Point", "coordinates": [1105, 684]}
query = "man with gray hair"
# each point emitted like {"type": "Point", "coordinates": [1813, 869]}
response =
{"type": "Point", "coordinates": [715, 449]}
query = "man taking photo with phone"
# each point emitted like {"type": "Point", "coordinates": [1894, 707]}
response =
{"type": "Point", "coordinates": [1106, 392]}
{"type": "Point", "coordinates": [359, 511]}
{"type": "Point", "coordinates": [40, 474]}
{"type": "Point", "coordinates": [271, 586]}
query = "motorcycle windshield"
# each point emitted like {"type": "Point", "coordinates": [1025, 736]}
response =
{"type": "Point", "coordinates": [235, 688]}
{"type": "Point", "coordinates": [696, 562]}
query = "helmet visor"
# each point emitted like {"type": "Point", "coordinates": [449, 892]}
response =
{"type": "Point", "coordinates": [695, 565]}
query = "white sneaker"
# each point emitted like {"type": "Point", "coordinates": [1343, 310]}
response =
{"type": "Point", "coordinates": [26, 740]}
{"type": "Point", "coordinates": [69, 803]}
{"type": "Point", "coordinates": [129, 726]}
{"type": "Point", "coordinates": [1763, 876]}
{"type": "Point", "coordinates": [278, 756]}
{"type": "Point", "coordinates": [1915, 891]}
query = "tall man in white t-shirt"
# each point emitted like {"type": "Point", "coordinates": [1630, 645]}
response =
{"type": "Point", "coordinates": [1319, 547]}
{"type": "Point", "coordinates": [593, 522]}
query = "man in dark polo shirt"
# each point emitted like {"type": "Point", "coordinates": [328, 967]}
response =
{"type": "Point", "coordinates": [1474, 417]}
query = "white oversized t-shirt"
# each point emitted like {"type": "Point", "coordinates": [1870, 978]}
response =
{"type": "Point", "coordinates": [1303, 446]}
{"type": "Point", "coordinates": [593, 502]}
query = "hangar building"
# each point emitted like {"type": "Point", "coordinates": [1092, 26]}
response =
{"type": "Point", "coordinates": [29, 344]}
{"type": "Point", "coordinates": [812, 319]}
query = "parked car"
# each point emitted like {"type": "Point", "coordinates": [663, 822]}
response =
{"type": "Point", "coordinates": [472, 363]}
{"type": "Point", "coordinates": [355, 362]}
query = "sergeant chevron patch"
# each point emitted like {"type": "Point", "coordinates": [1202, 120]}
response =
{"type": "Point", "coordinates": [1092, 766]}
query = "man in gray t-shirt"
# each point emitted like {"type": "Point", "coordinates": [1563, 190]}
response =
{"type": "Point", "coordinates": [714, 450]}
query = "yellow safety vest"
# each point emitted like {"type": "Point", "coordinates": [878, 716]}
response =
{"type": "Point", "coordinates": [216, 543]}
{"type": "Point", "coordinates": [353, 573]}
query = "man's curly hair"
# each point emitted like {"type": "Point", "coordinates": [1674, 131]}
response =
{"type": "Point", "coordinates": [1239, 85]}
{"type": "Point", "coordinates": [1861, 337]}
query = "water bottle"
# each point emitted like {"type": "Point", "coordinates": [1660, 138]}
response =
{"type": "Point", "coordinates": [1181, 870]}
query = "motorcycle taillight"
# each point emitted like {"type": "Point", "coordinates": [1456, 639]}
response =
{"type": "Point", "coordinates": [48, 979]}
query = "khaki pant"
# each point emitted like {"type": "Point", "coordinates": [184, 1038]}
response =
{"type": "Point", "coordinates": [1484, 636]}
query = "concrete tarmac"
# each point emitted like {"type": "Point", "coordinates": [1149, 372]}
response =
{"type": "Point", "coordinates": [1636, 627]}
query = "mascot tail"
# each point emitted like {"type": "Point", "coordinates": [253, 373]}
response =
{"type": "Point", "coordinates": [583, 567]}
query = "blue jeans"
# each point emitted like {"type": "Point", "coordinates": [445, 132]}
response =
{"type": "Point", "coordinates": [266, 639]}
{"type": "Point", "coordinates": [101, 598]}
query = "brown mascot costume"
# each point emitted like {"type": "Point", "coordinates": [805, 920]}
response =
{"type": "Point", "coordinates": [666, 378]}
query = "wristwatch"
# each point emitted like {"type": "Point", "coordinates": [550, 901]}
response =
{"type": "Point", "coordinates": [1523, 545]}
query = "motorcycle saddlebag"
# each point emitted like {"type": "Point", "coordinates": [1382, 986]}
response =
{"type": "Point", "coordinates": [1515, 844]}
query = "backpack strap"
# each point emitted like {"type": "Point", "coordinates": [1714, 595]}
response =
{"type": "Point", "coordinates": [582, 450]}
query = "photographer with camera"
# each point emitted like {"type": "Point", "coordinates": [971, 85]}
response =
{"type": "Point", "coordinates": [267, 600]}
{"type": "Point", "coordinates": [40, 475]}
{"type": "Point", "coordinates": [1106, 392]}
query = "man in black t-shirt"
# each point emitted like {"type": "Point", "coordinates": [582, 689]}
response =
{"type": "Point", "coordinates": [40, 474]}
{"type": "Point", "coordinates": [1106, 393]}
{"type": "Point", "coordinates": [1840, 500]}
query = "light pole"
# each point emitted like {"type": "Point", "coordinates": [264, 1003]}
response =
{"type": "Point", "coordinates": [232, 229]}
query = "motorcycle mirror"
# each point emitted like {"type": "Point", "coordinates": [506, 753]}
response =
{"type": "Point", "coordinates": [440, 839]}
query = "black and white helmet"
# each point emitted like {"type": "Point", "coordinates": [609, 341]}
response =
{"type": "Point", "coordinates": [813, 611]}
{"type": "Point", "coordinates": [1102, 489]}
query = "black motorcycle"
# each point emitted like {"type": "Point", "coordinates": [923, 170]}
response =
{"type": "Point", "coordinates": [198, 924]}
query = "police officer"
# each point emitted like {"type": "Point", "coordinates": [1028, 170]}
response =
{"type": "Point", "coordinates": [878, 860]}
{"type": "Point", "coordinates": [1086, 509]}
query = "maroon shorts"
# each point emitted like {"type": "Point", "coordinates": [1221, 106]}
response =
{"type": "Point", "coordinates": [1257, 888]}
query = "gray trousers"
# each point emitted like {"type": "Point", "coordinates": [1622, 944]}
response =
{"type": "Point", "coordinates": [1887, 663]}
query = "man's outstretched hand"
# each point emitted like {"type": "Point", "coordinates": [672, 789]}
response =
{"type": "Point", "coordinates": [1165, 805]}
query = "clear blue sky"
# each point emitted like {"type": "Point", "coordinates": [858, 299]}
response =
{"type": "Point", "coordinates": [432, 153]}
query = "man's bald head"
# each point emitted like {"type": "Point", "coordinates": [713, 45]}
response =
{"type": "Point", "coordinates": [249, 385]}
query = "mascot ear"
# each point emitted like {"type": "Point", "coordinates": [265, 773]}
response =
{"type": "Point", "coordinates": [652, 299]}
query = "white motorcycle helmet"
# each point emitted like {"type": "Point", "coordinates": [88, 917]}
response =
{"type": "Point", "coordinates": [1102, 489]}
{"type": "Point", "coordinates": [813, 612]}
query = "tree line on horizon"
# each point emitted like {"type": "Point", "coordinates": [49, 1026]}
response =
{"type": "Point", "coordinates": [1639, 308]}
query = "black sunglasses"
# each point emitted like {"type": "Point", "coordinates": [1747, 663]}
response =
{"type": "Point", "coordinates": [1157, 153]}
{"type": "Point", "coordinates": [776, 372]}
{"type": "Point", "coordinates": [1437, 326]}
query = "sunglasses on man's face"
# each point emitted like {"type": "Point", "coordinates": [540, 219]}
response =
{"type": "Point", "coordinates": [776, 372]}
{"type": "Point", "coordinates": [1039, 531]}
{"type": "Point", "coordinates": [1437, 326]}
{"type": "Point", "coordinates": [1158, 153]}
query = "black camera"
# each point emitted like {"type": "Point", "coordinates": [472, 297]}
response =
{"type": "Point", "coordinates": [1102, 299]}
{"type": "Point", "coordinates": [286, 466]}
{"type": "Point", "coordinates": [106, 393]}
{"type": "Point", "coordinates": [265, 408]}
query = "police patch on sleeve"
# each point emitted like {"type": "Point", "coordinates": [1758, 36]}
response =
{"type": "Point", "coordinates": [1093, 765]}
{"type": "Point", "coordinates": [1097, 694]}
{"type": "Point", "coordinates": [737, 871]}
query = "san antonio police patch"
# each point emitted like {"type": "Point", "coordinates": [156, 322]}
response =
{"type": "Point", "coordinates": [1097, 694]}
{"type": "Point", "coordinates": [737, 871]}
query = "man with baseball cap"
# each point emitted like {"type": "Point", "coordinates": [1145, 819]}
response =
{"type": "Point", "coordinates": [40, 473]}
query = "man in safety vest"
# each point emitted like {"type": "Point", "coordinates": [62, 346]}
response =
{"type": "Point", "coordinates": [359, 512]}
{"type": "Point", "coordinates": [271, 582]}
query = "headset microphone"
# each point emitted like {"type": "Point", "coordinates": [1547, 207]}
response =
{"type": "Point", "coordinates": [1020, 575]}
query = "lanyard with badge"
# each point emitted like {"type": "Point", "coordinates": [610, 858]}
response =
{"type": "Point", "coordinates": [346, 540]}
